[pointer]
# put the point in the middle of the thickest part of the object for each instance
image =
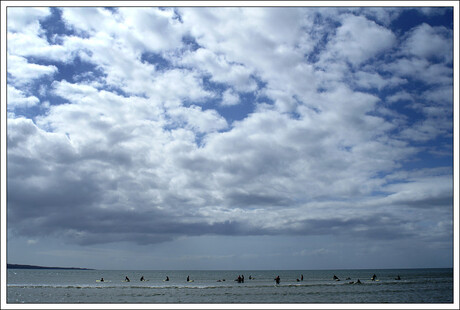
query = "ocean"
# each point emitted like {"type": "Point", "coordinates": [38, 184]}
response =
{"type": "Point", "coordinates": [318, 286]}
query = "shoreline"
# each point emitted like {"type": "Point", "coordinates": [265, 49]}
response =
{"type": "Point", "coordinates": [19, 266]}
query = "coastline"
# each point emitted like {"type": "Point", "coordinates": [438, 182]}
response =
{"type": "Point", "coordinates": [19, 266]}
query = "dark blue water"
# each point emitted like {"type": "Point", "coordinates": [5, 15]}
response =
{"type": "Point", "coordinates": [318, 286]}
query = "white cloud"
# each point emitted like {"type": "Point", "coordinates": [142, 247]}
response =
{"type": "Point", "coordinates": [203, 121]}
{"type": "Point", "coordinates": [88, 19]}
{"type": "Point", "coordinates": [422, 70]}
{"type": "Point", "coordinates": [359, 39]}
{"type": "Point", "coordinates": [18, 99]}
{"type": "Point", "coordinates": [369, 80]}
{"type": "Point", "coordinates": [116, 45]}
{"type": "Point", "coordinates": [230, 98]}
{"type": "Point", "coordinates": [155, 29]}
{"type": "Point", "coordinates": [220, 70]}
{"type": "Point", "coordinates": [146, 29]}
{"type": "Point", "coordinates": [426, 41]}
{"type": "Point", "coordinates": [272, 53]}
{"type": "Point", "coordinates": [22, 72]}
{"type": "Point", "coordinates": [26, 38]}
{"type": "Point", "coordinates": [26, 19]}
{"type": "Point", "coordinates": [179, 84]}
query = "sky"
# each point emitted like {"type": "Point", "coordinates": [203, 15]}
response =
{"type": "Point", "coordinates": [230, 137]}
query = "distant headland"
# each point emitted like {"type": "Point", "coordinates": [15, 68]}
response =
{"type": "Point", "coordinates": [17, 266]}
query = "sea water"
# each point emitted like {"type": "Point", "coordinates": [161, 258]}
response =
{"type": "Point", "coordinates": [318, 286]}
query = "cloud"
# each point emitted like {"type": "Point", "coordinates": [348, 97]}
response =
{"type": "Point", "coordinates": [274, 55]}
{"type": "Point", "coordinates": [179, 84]}
{"type": "Point", "coordinates": [423, 71]}
{"type": "Point", "coordinates": [220, 70]}
{"type": "Point", "coordinates": [202, 121]}
{"type": "Point", "coordinates": [425, 41]}
{"type": "Point", "coordinates": [22, 72]}
{"type": "Point", "coordinates": [26, 37]}
{"type": "Point", "coordinates": [136, 146]}
{"type": "Point", "coordinates": [359, 39]}
{"type": "Point", "coordinates": [423, 192]}
{"type": "Point", "coordinates": [369, 80]}
{"type": "Point", "coordinates": [173, 182]}
{"type": "Point", "coordinates": [18, 99]}
{"type": "Point", "coordinates": [26, 19]}
{"type": "Point", "coordinates": [229, 98]}
{"type": "Point", "coordinates": [425, 55]}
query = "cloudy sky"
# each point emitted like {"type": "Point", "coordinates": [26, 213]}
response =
{"type": "Point", "coordinates": [230, 137]}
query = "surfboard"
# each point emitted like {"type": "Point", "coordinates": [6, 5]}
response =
{"type": "Point", "coordinates": [102, 281]}
{"type": "Point", "coordinates": [190, 280]}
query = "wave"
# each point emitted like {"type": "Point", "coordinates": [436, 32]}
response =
{"type": "Point", "coordinates": [210, 286]}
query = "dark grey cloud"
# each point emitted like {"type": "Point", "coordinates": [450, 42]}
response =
{"type": "Point", "coordinates": [440, 202]}
{"type": "Point", "coordinates": [244, 199]}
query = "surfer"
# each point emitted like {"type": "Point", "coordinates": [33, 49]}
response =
{"type": "Point", "coordinates": [358, 282]}
{"type": "Point", "coordinates": [167, 278]}
{"type": "Point", "coordinates": [301, 277]}
{"type": "Point", "coordinates": [127, 279]}
{"type": "Point", "coordinates": [142, 278]}
{"type": "Point", "coordinates": [398, 277]}
{"type": "Point", "coordinates": [188, 278]}
{"type": "Point", "coordinates": [242, 278]}
{"type": "Point", "coordinates": [102, 279]}
{"type": "Point", "coordinates": [277, 280]}
{"type": "Point", "coordinates": [336, 278]}
{"type": "Point", "coordinates": [374, 277]}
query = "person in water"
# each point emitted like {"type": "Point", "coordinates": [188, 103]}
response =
{"type": "Point", "coordinates": [242, 278]}
{"type": "Point", "coordinates": [277, 280]}
{"type": "Point", "coordinates": [239, 279]}
{"type": "Point", "coordinates": [398, 277]}
{"type": "Point", "coordinates": [142, 278]}
{"type": "Point", "coordinates": [127, 279]}
{"type": "Point", "coordinates": [301, 277]}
